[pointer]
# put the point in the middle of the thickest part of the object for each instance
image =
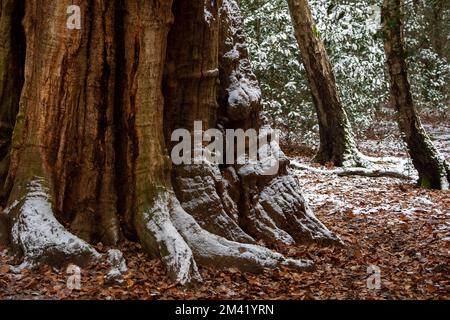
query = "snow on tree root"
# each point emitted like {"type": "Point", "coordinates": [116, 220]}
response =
{"type": "Point", "coordinates": [260, 198]}
{"type": "Point", "coordinates": [216, 251]}
{"type": "Point", "coordinates": [168, 232]}
{"type": "Point", "coordinates": [40, 237]}
{"type": "Point", "coordinates": [288, 210]}
{"type": "Point", "coordinates": [398, 169]}
{"type": "Point", "coordinates": [202, 192]}
{"type": "Point", "coordinates": [276, 214]}
{"type": "Point", "coordinates": [273, 205]}
{"type": "Point", "coordinates": [161, 240]}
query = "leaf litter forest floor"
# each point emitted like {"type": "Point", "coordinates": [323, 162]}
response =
{"type": "Point", "coordinates": [386, 222]}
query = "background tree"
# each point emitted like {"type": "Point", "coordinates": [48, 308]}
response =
{"type": "Point", "coordinates": [350, 32]}
{"type": "Point", "coordinates": [434, 171]}
{"type": "Point", "coordinates": [89, 156]}
{"type": "Point", "coordinates": [337, 143]}
{"type": "Point", "coordinates": [11, 77]}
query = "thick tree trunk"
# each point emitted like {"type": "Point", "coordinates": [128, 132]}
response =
{"type": "Point", "coordinates": [11, 80]}
{"type": "Point", "coordinates": [89, 160]}
{"type": "Point", "coordinates": [434, 171]}
{"type": "Point", "coordinates": [62, 152]}
{"type": "Point", "coordinates": [337, 144]}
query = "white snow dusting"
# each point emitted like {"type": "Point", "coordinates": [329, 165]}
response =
{"type": "Point", "coordinates": [37, 232]}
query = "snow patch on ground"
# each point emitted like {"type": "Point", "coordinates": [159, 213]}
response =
{"type": "Point", "coordinates": [211, 249]}
{"type": "Point", "coordinates": [118, 267]}
{"type": "Point", "coordinates": [363, 197]}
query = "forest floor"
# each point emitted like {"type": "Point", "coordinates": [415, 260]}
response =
{"type": "Point", "coordinates": [387, 223]}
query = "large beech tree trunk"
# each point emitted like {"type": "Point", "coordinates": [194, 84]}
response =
{"type": "Point", "coordinates": [434, 171]}
{"type": "Point", "coordinates": [337, 144]}
{"type": "Point", "coordinates": [89, 152]}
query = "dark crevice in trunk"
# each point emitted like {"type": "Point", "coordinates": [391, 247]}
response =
{"type": "Point", "coordinates": [68, 207]}
{"type": "Point", "coordinates": [100, 152]}
{"type": "Point", "coordinates": [133, 142]}
{"type": "Point", "coordinates": [121, 123]}
{"type": "Point", "coordinates": [430, 164]}
{"type": "Point", "coordinates": [11, 84]}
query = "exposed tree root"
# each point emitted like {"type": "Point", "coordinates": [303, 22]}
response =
{"type": "Point", "coordinates": [170, 233]}
{"type": "Point", "coordinates": [281, 203]}
{"type": "Point", "coordinates": [373, 173]}
{"type": "Point", "coordinates": [353, 171]}
{"type": "Point", "coordinates": [259, 201]}
{"type": "Point", "coordinates": [39, 237]}
{"type": "Point", "coordinates": [219, 252]}
{"type": "Point", "coordinates": [356, 159]}
{"type": "Point", "coordinates": [273, 208]}
{"type": "Point", "coordinates": [203, 193]}
{"type": "Point", "coordinates": [166, 231]}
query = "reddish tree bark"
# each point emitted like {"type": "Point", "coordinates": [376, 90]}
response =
{"type": "Point", "coordinates": [434, 171]}
{"type": "Point", "coordinates": [89, 156]}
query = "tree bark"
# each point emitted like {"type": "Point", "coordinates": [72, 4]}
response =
{"type": "Point", "coordinates": [247, 200]}
{"type": "Point", "coordinates": [62, 153]}
{"type": "Point", "coordinates": [12, 48]}
{"type": "Point", "coordinates": [433, 170]}
{"type": "Point", "coordinates": [337, 144]}
{"type": "Point", "coordinates": [89, 156]}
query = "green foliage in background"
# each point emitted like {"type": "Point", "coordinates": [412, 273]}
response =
{"type": "Point", "coordinates": [350, 31]}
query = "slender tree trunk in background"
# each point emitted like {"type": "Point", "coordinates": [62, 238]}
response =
{"type": "Point", "coordinates": [337, 144]}
{"type": "Point", "coordinates": [89, 150]}
{"type": "Point", "coordinates": [11, 81]}
{"type": "Point", "coordinates": [62, 152]}
{"type": "Point", "coordinates": [434, 171]}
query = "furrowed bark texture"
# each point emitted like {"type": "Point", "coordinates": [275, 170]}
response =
{"type": "Point", "coordinates": [147, 198]}
{"type": "Point", "coordinates": [231, 201]}
{"type": "Point", "coordinates": [62, 153]}
{"type": "Point", "coordinates": [337, 144]}
{"type": "Point", "coordinates": [89, 151]}
{"type": "Point", "coordinates": [433, 170]}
